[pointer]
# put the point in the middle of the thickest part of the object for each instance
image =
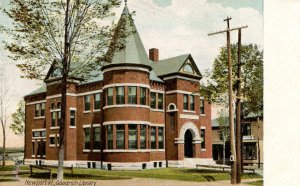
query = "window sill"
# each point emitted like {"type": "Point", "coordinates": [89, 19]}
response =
{"type": "Point", "coordinates": [86, 150]}
{"type": "Point", "coordinates": [87, 111]}
{"type": "Point", "coordinates": [41, 117]}
{"type": "Point", "coordinates": [33, 156]}
{"type": "Point", "coordinates": [189, 111]}
{"type": "Point", "coordinates": [125, 105]}
{"type": "Point", "coordinates": [203, 150]}
{"type": "Point", "coordinates": [96, 150]}
{"type": "Point", "coordinates": [157, 110]}
{"type": "Point", "coordinates": [97, 110]}
{"type": "Point", "coordinates": [56, 127]}
{"type": "Point", "coordinates": [202, 114]}
{"type": "Point", "coordinates": [72, 127]}
{"type": "Point", "coordinates": [134, 150]}
{"type": "Point", "coordinates": [52, 145]}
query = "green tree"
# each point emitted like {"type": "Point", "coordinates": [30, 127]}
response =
{"type": "Point", "coordinates": [18, 119]}
{"type": "Point", "coordinates": [215, 86]}
{"type": "Point", "coordinates": [224, 129]}
{"type": "Point", "coordinates": [71, 35]}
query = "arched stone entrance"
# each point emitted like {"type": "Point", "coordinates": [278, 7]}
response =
{"type": "Point", "coordinates": [188, 144]}
{"type": "Point", "coordinates": [189, 137]}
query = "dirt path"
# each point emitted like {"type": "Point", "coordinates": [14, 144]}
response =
{"type": "Point", "coordinates": [130, 182]}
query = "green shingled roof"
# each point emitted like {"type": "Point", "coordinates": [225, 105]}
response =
{"type": "Point", "coordinates": [170, 65]}
{"type": "Point", "coordinates": [133, 51]}
{"type": "Point", "coordinates": [38, 91]}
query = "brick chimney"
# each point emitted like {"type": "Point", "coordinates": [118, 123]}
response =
{"type": "Point", "coordinates": [154, 54]}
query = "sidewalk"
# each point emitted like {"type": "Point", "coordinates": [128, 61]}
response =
{"type": "Point", "coordinates": [145, 182]}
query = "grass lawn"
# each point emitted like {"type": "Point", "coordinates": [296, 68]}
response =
{"type": "Point", "coordinates": [7, 178]}
{"type": "Point", "coordinates": [13, 167]}
{"type": "Point", "coordinates": [257, 183]}
{"type": "Point", "coordinates": [182, 174]}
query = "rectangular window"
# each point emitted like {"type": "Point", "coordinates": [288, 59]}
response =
{"type": "Point", "coordinates": [97, 101]}
{"type": "Point", "coordinates": [110, 94]}
{"type": "Point", "coordinates": [120, 136]}
{"type": "Point", "coordinates": [246, 129]}
{"type": "Point", "coordinates": [58, 118]}
{"type": "Point", "coordinates": [132, 137]}
{"type": "Point", "coordinates": [109, 137]}
{"type": "Point", "coordinates": [43, 109]}
{"type": "Point", "coordinates": [43, 133]}
{"type": "Point", "coordinates": [52, 140]}
{"type": "Point", "coordinates": [142, 96]}
{"type": "Point", "coordinates": [185, 102]}
{"type": "Point", "coordinates": [132, 95]}
{"type": "Point", "coordinates": [97, 134]}
{"type": "Point", "coordinates": [202, 138]}
{"type": "Point", "coordinates": [120, 98]}
{"type": "Point", "coordinates": [72, 118]}
{"type": "Point", "coordinates": [33, 148]}
{"type": "Point", "coordinates": [160, 101]}
{"type": "Point", "coordinates": [87, 138]}
{"type": "Point", "coordinates": [153, 137]}
{"type": "Point", "coordinates": [36, 134]}
{"type": "Point", "coordinates": [142, 136]}
{"type": "Point", "coordinates": [201, 106]}
{"type": "Point", "coordinates": [53, 119]}
{"type": "Point", "coordinates": [153, 100]}
{"type": "Point", "coordinates": [192, 102]}
{"type": "Point", "coordinates": [249, 151]}
{"type": "Point", "coordinates": [160, 137]}
{"type": "Point", "coordinates": [87, 103]}
{"type": "Point", "coordinates": [37, 110]}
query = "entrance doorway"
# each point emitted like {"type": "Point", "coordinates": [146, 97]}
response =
{"type": "Point", "coordinates": [188, 144]}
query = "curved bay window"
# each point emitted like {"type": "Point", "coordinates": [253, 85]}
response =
{"type": "Point", "coordinates": [153, 100]}
{"type": "Point", "coordinates": [132, 99]}
{"type": "Point", "coordinates": [120, 136]}
{"type": "Point", "coordinates": [142, 95]}
{"type": "Point", "coordinates": [143, 136]}
{"type": "Point", "coordinates": [132, 136]}
{"type": "Point", "coordinates": [109, 94]}
{"type": "Point", "coordinates": [109, 137]}
{"type": "Point", "coordinates": [120, 96]}
{"type": "Point", "coordinates": [153, 137]}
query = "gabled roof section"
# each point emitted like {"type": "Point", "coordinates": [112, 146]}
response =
{"type": "Point", "coordinates": [132, 50]}
{"type": "Point", "coordinates": [42, 89]}
{"type": "Point", "coordinates": [174, 65]}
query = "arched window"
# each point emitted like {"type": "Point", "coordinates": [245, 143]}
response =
{"type": "Point", "coordinates": [58, 105]}
{"type": "Point", "coordinates": [52, 106]}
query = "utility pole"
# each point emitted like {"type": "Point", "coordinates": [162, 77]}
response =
{"type": "Point", "coordinates": [235, 179]}
{"type": "Point", "coordinates": [239, 157]}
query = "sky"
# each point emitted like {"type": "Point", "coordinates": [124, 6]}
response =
{"type": "Point", "coordinates": [175, 27]}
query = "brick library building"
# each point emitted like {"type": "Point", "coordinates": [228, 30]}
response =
{"type": "Point", "coordinates": [137, 112]}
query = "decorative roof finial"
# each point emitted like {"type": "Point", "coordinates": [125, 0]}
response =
{"type": "Point", "coordinates": [125, 2]}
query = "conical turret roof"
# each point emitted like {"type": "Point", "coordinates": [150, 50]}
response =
{"type": "Point", "coordinates": [132, 50]}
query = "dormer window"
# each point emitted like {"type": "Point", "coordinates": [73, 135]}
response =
{"type": "Point", "coordinates": [188, 68]}
{"type": "Point", "coordinates": [56, 73]}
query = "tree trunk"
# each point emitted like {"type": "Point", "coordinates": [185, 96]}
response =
{"type": "Point", "coordinates": [4, 146]}
{"type": "Point", "coordinates": [66, 61]}
{"type": "Point", "coordinates": [224, 151]}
